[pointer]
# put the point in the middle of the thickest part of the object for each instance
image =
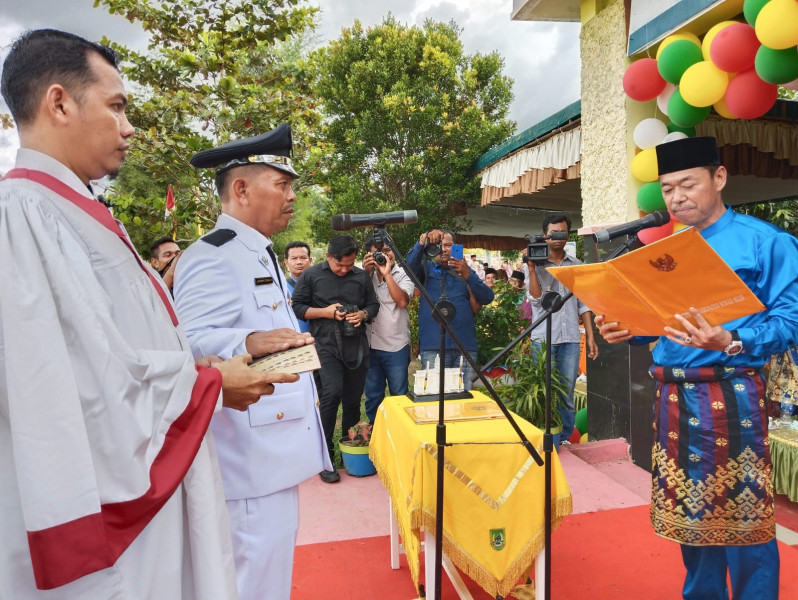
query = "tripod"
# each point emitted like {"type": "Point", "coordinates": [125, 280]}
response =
{"type": "Point", "coordinates": [550, 302]}
{"type": "Point", "coordinates": [443, 313]}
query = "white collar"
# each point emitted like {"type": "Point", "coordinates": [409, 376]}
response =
{"type": "Point", "coordinates": [250, 237]}
{"type": "Point", "coordinates": [35, 160]}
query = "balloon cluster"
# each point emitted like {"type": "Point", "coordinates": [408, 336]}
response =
{"type": "Point", "coordinates": [736, 69]}
{"type": "Point", "coordinates": [579, 433]}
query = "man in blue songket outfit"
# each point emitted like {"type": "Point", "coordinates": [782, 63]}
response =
{"type": "Point", "coordinates": [712, 488]}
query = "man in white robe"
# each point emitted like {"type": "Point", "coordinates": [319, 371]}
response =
{"type": "Point", "coordinates": [110, 485]}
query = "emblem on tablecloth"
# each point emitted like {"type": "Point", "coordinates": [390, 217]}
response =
{"type": "Point", "coordinates": [497, 539]}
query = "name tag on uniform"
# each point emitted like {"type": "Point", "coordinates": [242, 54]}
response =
{"type": "Point", "coordinates": [264, 280]}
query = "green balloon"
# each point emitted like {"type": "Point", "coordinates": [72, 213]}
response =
{"type": "Point", "coordinates": [777, 66]}
{"type": "Point", "coordinates": [581, 421]}
{"type": "Point", "coordinates": [676, 58]}
{"type": "Point", "coordinates": [649, 197]}
{"type": "Point", "coordinates": [751, 10]}
{"type": "Point", "coordinates": [688, 131]}
{"type": "Point", "coordinates": [685, 114]}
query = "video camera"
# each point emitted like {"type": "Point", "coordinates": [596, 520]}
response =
{"type": "Point", "coordinates": [537, 251]}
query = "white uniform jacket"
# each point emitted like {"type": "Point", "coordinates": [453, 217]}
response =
{"type": "Point", "coordinates": [223, 293]}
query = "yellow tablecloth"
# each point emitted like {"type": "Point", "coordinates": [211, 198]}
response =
{"type": "Point", "coordinates": [493, 491]}
{"type": "Point", "coordinates": [784, 455]}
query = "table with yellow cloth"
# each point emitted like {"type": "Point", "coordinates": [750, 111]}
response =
{"type": "Point", "coordinates": [493, 491]}
{"type": "Point", "coordinates": [784, 456]}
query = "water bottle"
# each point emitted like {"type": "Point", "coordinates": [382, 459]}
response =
{"type": "Point", "coordinates": [787, 413]}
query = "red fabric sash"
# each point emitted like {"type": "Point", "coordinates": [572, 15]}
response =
{"type": "Point", "coordinates": [96, 211]}
{"type": "Point", "coordinates": [68, 551]}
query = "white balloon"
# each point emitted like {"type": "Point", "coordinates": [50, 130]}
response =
{"type": "Point", "coordinates": [665, 95]}
{"type": "Point", "coordinates": [672, 137]}
{"type": "Point", "coordinates": [649, 133]}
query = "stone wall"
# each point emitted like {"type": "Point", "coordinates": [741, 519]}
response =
{"type": "Point", "coordinates": [606, 177]}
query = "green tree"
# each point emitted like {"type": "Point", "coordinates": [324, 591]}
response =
{"type": "Point", "coordinates": [406, 114]}
{"type": "Point", "coordinates": [215, 70]}
{"type": "Point", "coordinates": [783, 214]}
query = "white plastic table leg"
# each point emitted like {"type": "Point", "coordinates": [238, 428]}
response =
{"type": "Point", "coordinates": [429, 570]}
{"type": "Point", "coordinates": [540, 573]}
{"type": "Point", "coordinates": [394, 538]}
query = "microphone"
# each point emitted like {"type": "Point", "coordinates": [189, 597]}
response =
{"type": "Point", "coordinates": [346, 222]}
{"type": "Point", "coordinates": [655, 219]}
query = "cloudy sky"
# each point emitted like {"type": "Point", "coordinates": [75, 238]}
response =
{"type": "Point", "coordinates": [542, 58]}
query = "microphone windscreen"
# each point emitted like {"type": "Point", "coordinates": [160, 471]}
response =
{"type": "Point", "coordinates": [342, 222]}
{"type": "Point", "coordinates": [661, 217]}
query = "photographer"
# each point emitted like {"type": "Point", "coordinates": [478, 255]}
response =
{"type": "Point", "coordinates": [565, 334]}
{"type": "Point", "coordinates": [337, 299]}
{"type": "Point", "coordinates": [389, 333]}
{"type": "Point", "coordinates": [461, 285]}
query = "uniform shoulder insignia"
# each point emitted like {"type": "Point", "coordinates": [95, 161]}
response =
{"type": "Point", "coordinates": [219, 237]}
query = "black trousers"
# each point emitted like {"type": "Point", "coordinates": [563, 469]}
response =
{"type": "Point", "coordinates": [339, 385]}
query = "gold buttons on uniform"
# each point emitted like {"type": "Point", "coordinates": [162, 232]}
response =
{"type": "Point", "coordinates": [318, 404]}
{"type": "Point", "coordinates": [280, 416]}
{"type": "Point", "coordinates": [274, 306]}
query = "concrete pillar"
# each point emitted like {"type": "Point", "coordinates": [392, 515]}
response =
{"type": "Point", "coordinates": [620, 393]}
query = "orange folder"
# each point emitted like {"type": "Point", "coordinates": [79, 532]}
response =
{"type": "Point", "coordinates": [644, 289]}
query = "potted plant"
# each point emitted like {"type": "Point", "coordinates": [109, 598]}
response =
{"type": "Point", "coordinates": [525, 395]}
{"type": "Point", "coordinates": [498, 323]}
{"type": "Point", "coordinates": [355, 450]}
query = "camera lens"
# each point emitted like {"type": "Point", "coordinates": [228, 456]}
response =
{"type": "Point", "coordinates": [380, 258]}
{"type": "Point", "coordinates": [432, 250]}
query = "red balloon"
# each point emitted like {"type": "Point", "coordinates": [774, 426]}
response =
{"type": "Point", "coordinates": [748, 97]}
{"type": "Point", "coordinates": [653, 234]}
{"type": "Point", "coordinates": [642, 81]}
{"type": "Point", "coordinates": [575, 436]}
{"type": "Point", "coordinates": [734, 48]}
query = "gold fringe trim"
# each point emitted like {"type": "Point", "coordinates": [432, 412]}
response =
{"type": "Point", "coordinates": [417, 517]}
{"type": "Point", "coordinates": [410, 538]}
{"type": "Point", "coordinates": [521, 566]}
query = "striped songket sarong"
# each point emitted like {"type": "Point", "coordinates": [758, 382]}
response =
{"type": "Point", "coordinates": [712, 481]}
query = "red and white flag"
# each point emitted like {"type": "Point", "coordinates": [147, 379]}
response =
{"type": "Point", "coordinates": [170, 201]}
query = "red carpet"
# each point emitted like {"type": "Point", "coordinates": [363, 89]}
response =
{"type": "Point", "coordinates": [786, 513]}
{"type": "Point", "coordinates": [603, 555]}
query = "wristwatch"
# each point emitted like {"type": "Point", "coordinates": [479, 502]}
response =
{"type": "Point", "coordinates": [736, 345]}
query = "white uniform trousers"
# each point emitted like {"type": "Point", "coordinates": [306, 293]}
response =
{"type": "Point", "coordinates": [264, 533]}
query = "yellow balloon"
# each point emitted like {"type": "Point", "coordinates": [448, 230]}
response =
{"type": "Point", "coordinates": [777, 24]}
{"type": "Point", "coordinates": [644, 165]}
{"type": "Point", "coordinates": [723, 110]}
{"type": "Point", "coordinates": [583, 439]}
{"type": "Point", "coordinates": [703, 84]}
{"type": "Point", "coordinates": [686, 35]}
{"type": "Point", "coordinates": [710, 35]}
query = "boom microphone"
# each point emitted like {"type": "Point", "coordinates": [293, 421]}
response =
{"type": "Point", "coordinates": [655, 219]}
{"type": "Point", "coordinates": [346, 222]}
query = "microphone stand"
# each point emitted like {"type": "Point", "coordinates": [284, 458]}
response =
{"type": "Point", "coordinates": [443, 312]}
{"type": "Point", "coordinates": [550, 302]}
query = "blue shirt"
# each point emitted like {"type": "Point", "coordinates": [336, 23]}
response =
{"type": "Point", "coordinates": [766, 259]}
{"type": "Point", "coordinates": [456, 292]}
{"type": "Point", "coordinates": [304, 326]}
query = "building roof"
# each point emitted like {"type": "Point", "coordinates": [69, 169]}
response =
{"type": "Point", "coordinates": [518, 141]}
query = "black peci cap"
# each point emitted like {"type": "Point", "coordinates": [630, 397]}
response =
{"type": "Point", "coordinates": [273, 148]}
{"type": "Point", "coordinates": [519, 275]}
{"type": "Point", "coordinates": [687, 153]}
